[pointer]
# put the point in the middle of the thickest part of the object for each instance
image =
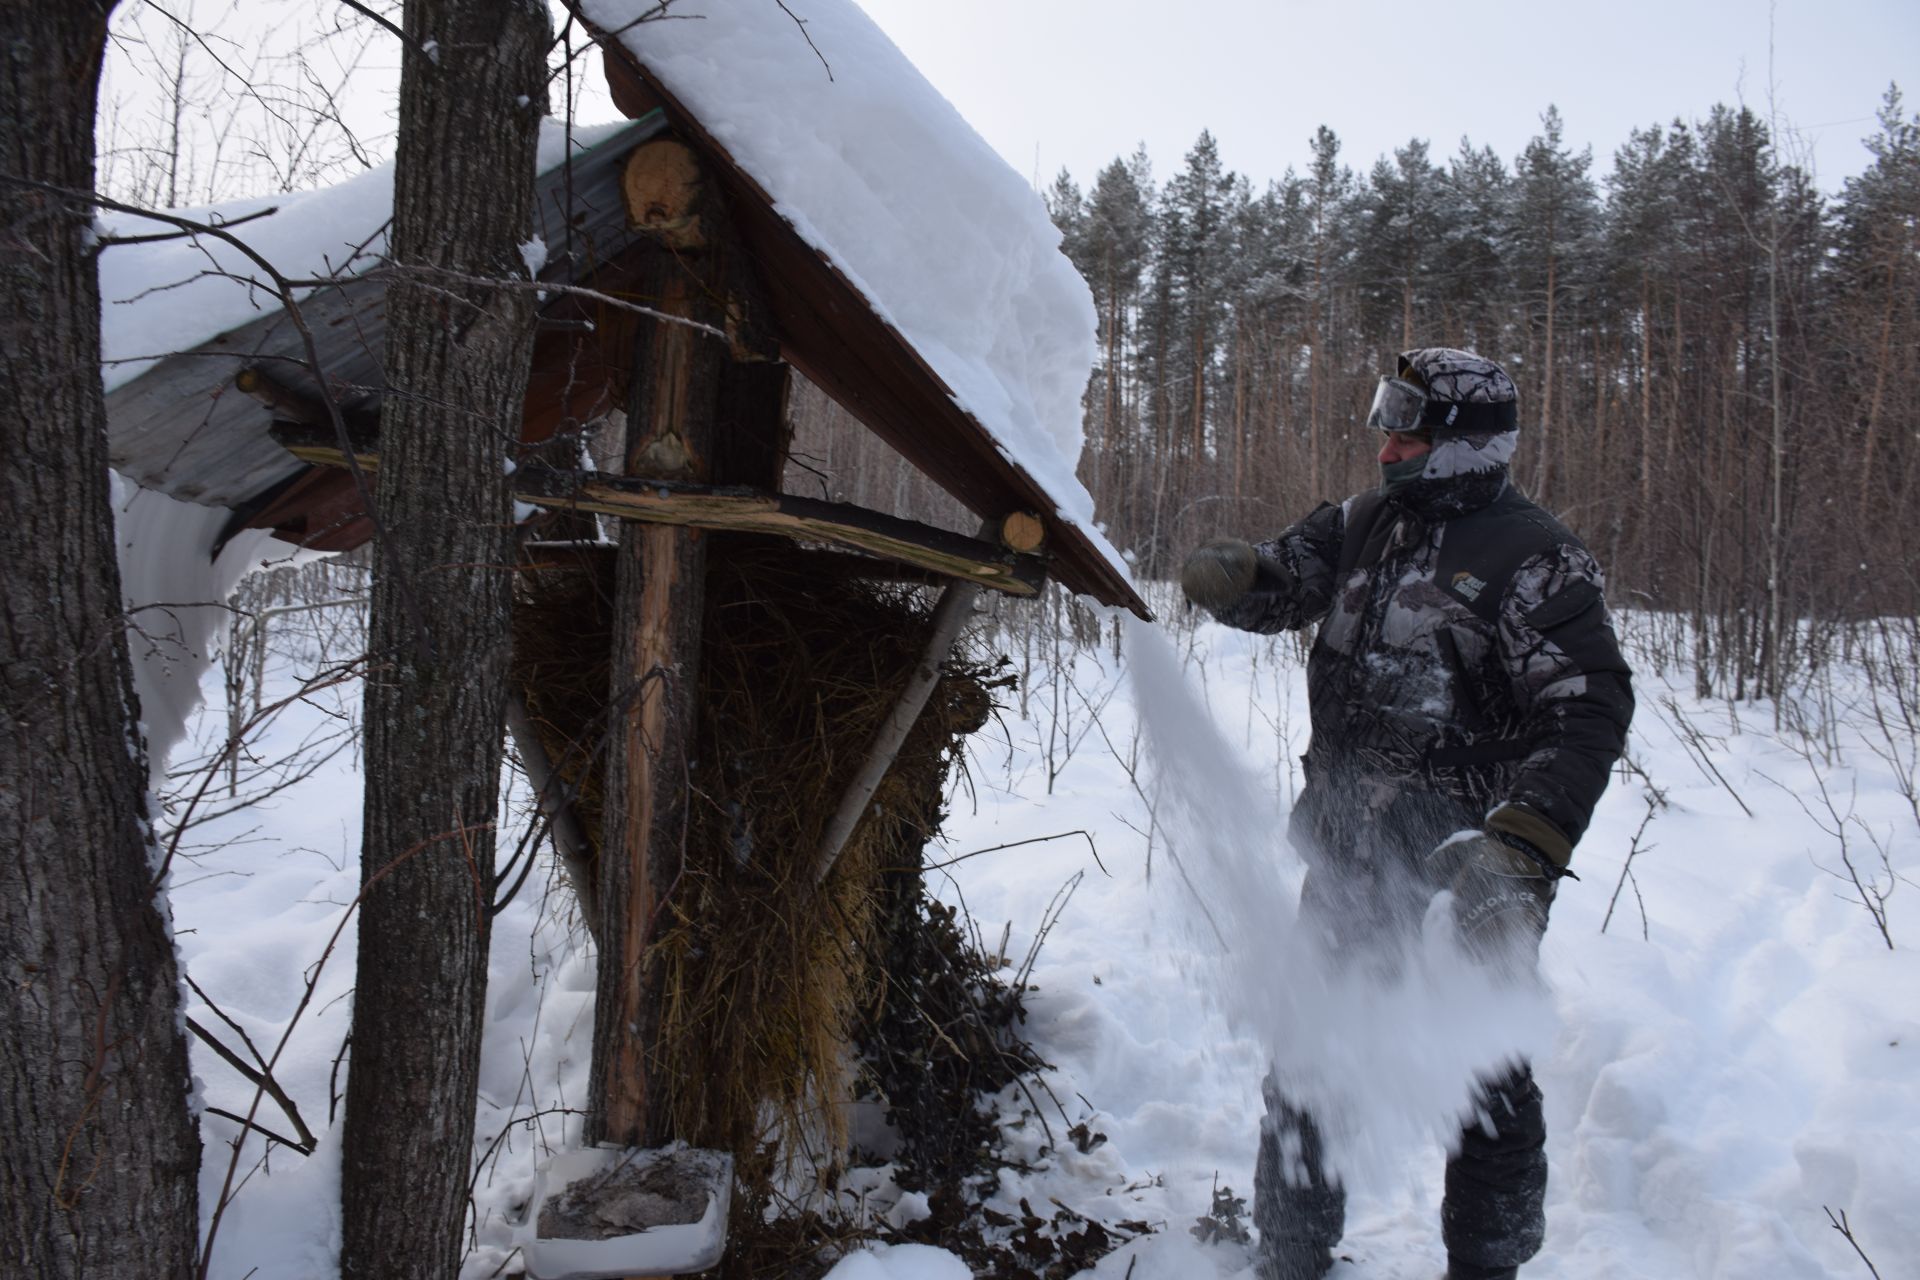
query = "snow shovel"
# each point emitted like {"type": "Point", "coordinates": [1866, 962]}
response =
{"type": "Point", "coordinates": [610, 1213]}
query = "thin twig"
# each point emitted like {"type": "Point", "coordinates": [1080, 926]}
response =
{"type": "Point", "coordinates": [365, 12]}
{"type": "Point", "coordinates": [542, 287]}
{"type": "Point", "coordinates": [304, 1148]}
{"type": "Point", "coordinates": [1626, 869]}
{"type": "Point", "coordinates": [261, 1079]}
{"type": "Point", "coordinates": [801, 23]}
{"type": "Point", "coordinates": [157, 237]}
{"type": "Point", "coordinates": [1845, 1229]}
{"type": "Point", "coordinates": [1015, 844]}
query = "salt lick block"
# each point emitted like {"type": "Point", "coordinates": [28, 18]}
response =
{"type": "Point", "coordinates": [619, 1184]}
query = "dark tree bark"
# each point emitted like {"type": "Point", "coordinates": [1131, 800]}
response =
{"type": "Point", "coordinates": [98, 1153]}
{"type": "Point", "coordinates": [471, 98]}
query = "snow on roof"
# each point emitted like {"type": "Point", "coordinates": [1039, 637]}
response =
{"type": "Point", "coordinates": [881, 175]}
{"type": "Point", "coordinates": [172, 295]}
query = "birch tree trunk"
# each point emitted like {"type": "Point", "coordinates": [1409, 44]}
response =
{"type": "Point", "coordinates": [471, 98]}
{"type": "Point", "coordinates": [98, 1153]}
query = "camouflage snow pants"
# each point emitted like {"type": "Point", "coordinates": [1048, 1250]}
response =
{"type": "Point", "coordinates": [1493, 1215]}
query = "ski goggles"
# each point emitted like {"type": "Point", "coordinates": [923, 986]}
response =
{"type": "Point", "coordinates": [1398, 405]}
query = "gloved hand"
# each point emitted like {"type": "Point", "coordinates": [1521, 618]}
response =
{"type": "Point", "coordinates": [1219, 573]}
{"type": "Point", "coordinates": [1500, 897]}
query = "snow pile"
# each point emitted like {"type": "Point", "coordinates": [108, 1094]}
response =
{"type": "Point", "coordinates": [172, 295]}
{"type": "Point", "coordinates": [900, 1262]}
{"type": "Point", "coordinates": [879, 173]}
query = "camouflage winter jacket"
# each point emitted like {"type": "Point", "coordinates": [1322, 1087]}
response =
{"type": "Point", "coordinates": [1464, 661]}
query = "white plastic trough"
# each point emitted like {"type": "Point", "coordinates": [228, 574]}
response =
{"type": "Point", "coordinates": [666, 1250]}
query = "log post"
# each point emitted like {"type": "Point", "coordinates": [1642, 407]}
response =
{"type": "Point", "coordinates": [696, 406]}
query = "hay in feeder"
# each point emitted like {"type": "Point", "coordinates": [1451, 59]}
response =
{"type": "Point", "coordinates": [764, 978]}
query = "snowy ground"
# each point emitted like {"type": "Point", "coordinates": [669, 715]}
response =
{"type": "Point", "coordinates": [1712, 1086]}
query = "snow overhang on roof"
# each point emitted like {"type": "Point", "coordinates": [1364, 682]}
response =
{"type": "Point", "coordinates": [852, 180]}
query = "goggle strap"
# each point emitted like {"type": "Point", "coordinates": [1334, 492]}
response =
{"type": "Point", "coordinates": [1460, 419]}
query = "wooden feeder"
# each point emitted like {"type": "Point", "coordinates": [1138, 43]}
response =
{"type": "Point", "coordinates": [735, 300]}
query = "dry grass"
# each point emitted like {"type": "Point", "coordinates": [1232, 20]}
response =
{"type": "Point", "coordinates": [765, 980]}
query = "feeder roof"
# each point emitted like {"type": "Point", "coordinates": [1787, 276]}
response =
{"type": "Point", "coordinates": [913, 276]}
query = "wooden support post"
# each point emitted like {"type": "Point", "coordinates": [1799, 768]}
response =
{"type": "Point", "coordinates": [550, 795]}
{"type": "Point", "coordinates": [949, 617]}
{"type": "Point", "coordinates": [691, 411]}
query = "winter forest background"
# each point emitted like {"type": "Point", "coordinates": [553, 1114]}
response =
{"type": "Point", "coordinates": [1716, 357]}
{"type": "Point", "coordinates": [1719, 363]}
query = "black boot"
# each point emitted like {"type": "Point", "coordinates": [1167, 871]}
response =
{"type": "Point", "coordinates": [1467, 1271]}
{"type": "Point", "coordinates": [1300, 1213]}
{"type": "Point", "coordinates": [1292, 1264]}
{"type": "Point", "coordinates": [1493, 1216]}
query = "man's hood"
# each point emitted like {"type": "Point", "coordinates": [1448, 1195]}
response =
{"type": "Point", "coordinates": [1464, 472]}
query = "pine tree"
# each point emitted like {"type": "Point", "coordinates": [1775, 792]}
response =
{"type": "Point", "coordinates": [1402, 229]}
{"type": "Point", "coordinates": [1113, 252]}
{"type": "Point", "coordinates": [1642, 229]}
{"type": "Point", "coordinates": [1068, 210]}
{"type": "Point", "coordinates": [1477, 193]}
{"type": "Point", "coordinates": [1877, 269]}
{"type": "Point", "coordinates": [1197, 227]}
{"type": "Point", "coordinates": [1551, 249]}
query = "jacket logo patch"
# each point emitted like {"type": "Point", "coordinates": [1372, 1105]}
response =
{"type": "Point", "coordinates": [1468, 586]}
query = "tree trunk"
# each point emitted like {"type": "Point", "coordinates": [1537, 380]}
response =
{"type": "Point", "coordinates": [1543, 471]}
{"type": "Point", "coordinates": [1646, 405]}
{"type": "Point", "coordinates": [98, 1153]}
{"type": "Point", "coordinates": [456, 365]}
{"type": "Point", "coordinates": [1881, 363]}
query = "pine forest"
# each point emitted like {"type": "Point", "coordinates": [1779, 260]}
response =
{"type": "Point", "coordinates": [1717, 361]}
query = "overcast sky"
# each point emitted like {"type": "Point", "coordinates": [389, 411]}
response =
{"type": "Point", "coordinates": [1077, 82]}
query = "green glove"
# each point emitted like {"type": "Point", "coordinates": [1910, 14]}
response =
{"type": "Point", "coordinates": [1219, 573]}
{"type": "Point", "coordinates": [1500, 897]}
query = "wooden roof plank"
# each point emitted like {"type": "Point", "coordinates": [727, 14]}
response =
{"type": "Point", "coordinates": [180, 427]}
{"type": "Point", "coordinates": [733, 508]}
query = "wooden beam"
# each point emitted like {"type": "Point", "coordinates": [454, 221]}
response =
{"type": "Point", "coordinates": [741, 509]}
{"type": "Point", "coordinates": [819, 563]}
{"type": "Point", "coordinates": [664, 194]}
{"type": "Point", "coordinates": [695, 423]}
{"type": "Point", "coordinates": [659, 597]}
{"type": "Point", "coordinates": [949, 619]}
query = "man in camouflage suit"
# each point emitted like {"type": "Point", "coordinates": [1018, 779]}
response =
{"type": "Point", "coordinates": [1468, 700]}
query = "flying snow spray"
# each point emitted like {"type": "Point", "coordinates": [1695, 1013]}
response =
{"type": "Point", "coordinates": [1383, 1050]}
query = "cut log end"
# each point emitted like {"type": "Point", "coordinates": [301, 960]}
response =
{"type": "Point", "coordinates": [1022, 532]}
{"type": "Point", "coordinates": [661, 186]}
